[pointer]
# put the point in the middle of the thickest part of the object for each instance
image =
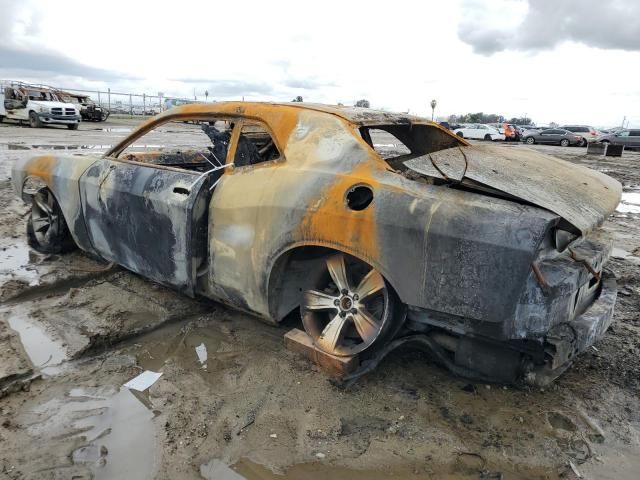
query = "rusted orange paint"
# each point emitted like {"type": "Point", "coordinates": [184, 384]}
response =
{"type": "Point", "coordinates": [42, 167]}
{"type": "Point", "coordinates": [354, 228]}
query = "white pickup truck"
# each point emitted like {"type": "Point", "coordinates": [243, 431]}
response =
{"type": "Point", "coordinates": [37, 104]}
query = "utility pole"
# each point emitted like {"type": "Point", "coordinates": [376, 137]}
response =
{"type": "Point", "coordinates": [433, 108]}
{"type": "Point", "coordinates": [206, 95]}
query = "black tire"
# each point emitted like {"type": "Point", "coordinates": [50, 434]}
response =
{"type": "Point", "coordinates": [73, 126]}
{"type": "Point", "coordinates": [1, 118]}
{"type": "Point", "coordinates": [564, 142]}
{"type": "Point", "coordinates": [34, 120]}
{"type": "Point", "coordinates": [353, 312]}
{"type": "Point", "coordinates": [530, 140]}
{"type": "Point", "coordinates": [583, 143]}
{"type": "Point", "coordinates": [487, 137]}
{"type": "Point", "coordinates": [47, 230]}
{"type": "Point", "coordinates": [460, 134]}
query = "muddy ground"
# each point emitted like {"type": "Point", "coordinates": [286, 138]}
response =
{"type": "Point", "coordinates": [233, 403]}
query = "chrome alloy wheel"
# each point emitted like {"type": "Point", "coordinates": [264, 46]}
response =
{"type": "Point", "coordinates": [349, 309]}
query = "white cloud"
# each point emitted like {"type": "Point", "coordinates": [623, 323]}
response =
{"type": "Point", "coordinates": [399, 55]}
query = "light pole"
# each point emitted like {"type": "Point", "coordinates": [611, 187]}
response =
{"type": "Point", "coordinates": [433, 108]}
{"type": "Point", "coordinates": [206, 95]}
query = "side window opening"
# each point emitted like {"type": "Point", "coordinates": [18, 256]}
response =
{"type": "Point", "coordinates": [255, 145]}
{"type": "Point", "coordinates": [386, 144]}
{"type": "Point", "coordinates": [398, 143]}
{"type": "Point", "coordinates": [198, 146]}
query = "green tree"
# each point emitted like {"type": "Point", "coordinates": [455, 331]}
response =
{"type": "Point", "coordinates": [364, 103]}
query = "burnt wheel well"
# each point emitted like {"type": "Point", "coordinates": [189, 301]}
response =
{"type": "Point", "coordinates": [294, 272]}
{"type": "Point", "coordinates": [299, 269]}
{"type": "Point", "coordinates": [30, 187]}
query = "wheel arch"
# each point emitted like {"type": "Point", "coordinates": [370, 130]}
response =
{"type": "Point", "coordinates": [61, 176]}
{"type": "Point", "coordinates": [292, 267]}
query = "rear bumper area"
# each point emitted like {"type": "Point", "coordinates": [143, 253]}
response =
{"type": "Point", "coordinates": [536, 360]}
{"type": "Point", "coordinates": [566, 340]}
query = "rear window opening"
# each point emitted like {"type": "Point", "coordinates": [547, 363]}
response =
{"type": "Point", "coordinates": [399, 143]}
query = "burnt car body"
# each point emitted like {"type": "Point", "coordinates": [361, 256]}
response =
{"type": "Point", "coordinates": [492, 256]}
{"type": "Point", "coordinates": [89, 110]}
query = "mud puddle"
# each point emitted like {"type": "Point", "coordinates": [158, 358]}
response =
{"type": "Point", "coordinates": [465, 467]}
{"type": "Point", "coordinates": [20, 146]}
{"type": "Point", "coordinates": [190, 347]}
{"type": "Point", "coordinates": [15, 264]}
{"type": "Point", "coordinates": [630, 203]}
{"type": "Point", "coordinates": [116, 427]}
{"type": "Point", "coordinates": [114, 129]}
{"type": "Point", "coordinates": [46, 353]}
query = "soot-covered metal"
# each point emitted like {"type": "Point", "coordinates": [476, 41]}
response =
{"type": "Point", "coordinates": [494, 256]}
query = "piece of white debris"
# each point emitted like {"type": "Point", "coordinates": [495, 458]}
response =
{"type": "Point", "coordinates": [274, 435]}
{"type": "Point", "coordinates": [401, 417]}
{"type": "Point", "coordinates": [575, 470]}
{"type": "Point", "coordinates": [143, 381]}
{"type": "Point", "coordinates": [201, 352]}
{"type": "Point", "coordinates": [320, 455]}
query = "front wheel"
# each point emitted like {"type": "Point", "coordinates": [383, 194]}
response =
{"type": "Point", "coordinates": [530, 140]}
{"type": "Point", "coordinates": [47, 231]}
{"type": "Point", "coordinates": [564, 142]}
{"type": "Point", "coordinates": [487, 137]}
{"type": "Point", "coordinates": [73, 126]}
{"type": "Point", "coordinates": [352, 308]}
{"type": "Point", "coordinates": [34, 120]}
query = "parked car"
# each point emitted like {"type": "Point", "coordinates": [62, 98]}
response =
{"type": "Point", "coordinates": [511, 132]}
{"type": "Point", "coordinates": [491, 258]}
{"type": "Point", "coordinates": [628, 138]}
{"type": "Point", "coordinates": [587, 133]}
{"type": "Point", "coordinates": [552, 136]}
{"type": "Point", "coordinates": [38, 105]}
{"type": "Point", "coordinates": [479, 132]}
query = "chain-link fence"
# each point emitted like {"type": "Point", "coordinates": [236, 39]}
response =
{"type": "Point", "coordinates": [130, 104]}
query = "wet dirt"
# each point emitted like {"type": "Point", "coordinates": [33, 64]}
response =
{"type": "Point", "coordinates": [232, 402]}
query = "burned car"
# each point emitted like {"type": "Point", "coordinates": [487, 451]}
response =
{"type": "Point", "coordinates": [490, 257]}
{"type": "Point", "coordinates": [89, 110]}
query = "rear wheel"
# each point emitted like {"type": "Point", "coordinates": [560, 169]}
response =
{"type": "Point", "coordinates": [530, 140]}
{"type": "Point", "coordinates": [460, 134]}
{"type": "Point", "coordinates": [352, 308]}
{"type": "Point", "coordinates": [564, 142]}
{"type": "Point", "coordinates": [34, 120]}
{"type": "Point", "coordinates": [583, 143]}
{"type": "Point", "coordinates": [487, 137]}
{"type": "Point", "coordinates": [47, 231]}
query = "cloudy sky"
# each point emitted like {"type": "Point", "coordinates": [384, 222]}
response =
{"type": "Point", "coordinates": [574, 61]}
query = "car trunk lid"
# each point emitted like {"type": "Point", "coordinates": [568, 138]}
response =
{"type": "Point", "coordinates": [581, 196]}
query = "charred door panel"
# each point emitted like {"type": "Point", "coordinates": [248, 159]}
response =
{"type": "Point", "coordinates": [143, 218]}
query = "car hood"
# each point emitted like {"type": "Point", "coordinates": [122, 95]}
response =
{"type": "Point", "coordinates": [581, 196]}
